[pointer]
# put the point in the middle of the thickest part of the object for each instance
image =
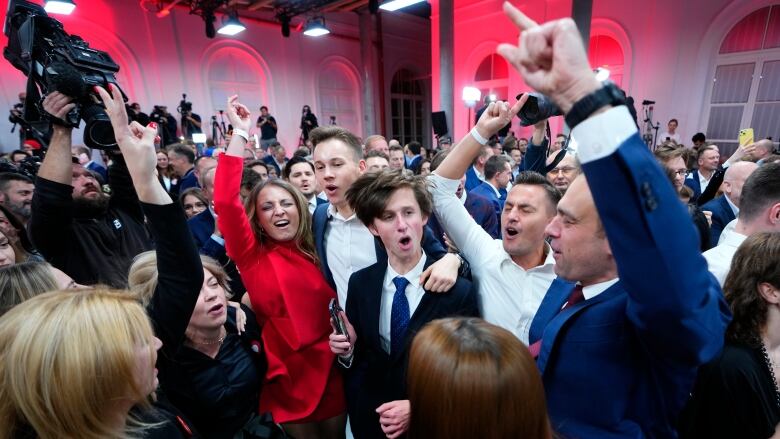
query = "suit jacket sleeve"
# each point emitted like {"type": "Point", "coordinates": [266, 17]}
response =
{"type": "Point", "coordinates": [535, 157]}
{"type": "Point", "coordinates": [681, 316]}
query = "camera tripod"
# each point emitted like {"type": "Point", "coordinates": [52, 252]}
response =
{"type": "Point", "coordinates": [218, 129]}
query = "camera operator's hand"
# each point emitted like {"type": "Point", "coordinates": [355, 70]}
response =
{"type": "Point", "coordinates": [551, 58]}
{"type": "Point", "coordinates": [497, 115]}
{"type": "Point", "coordinates": [137, 145]}
{"type": "Point", "coordinates": [58, 105]}
{"type": "Point", "coordinates": [238, 114]}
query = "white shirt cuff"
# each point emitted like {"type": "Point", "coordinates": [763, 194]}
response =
{"type": "Point", "coordinates": [601, 135]}
{"type": "Point", "coordinates": [218, 240]}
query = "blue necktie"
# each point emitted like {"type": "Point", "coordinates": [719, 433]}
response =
{"type": "Point", "coordinates": [399, 316]}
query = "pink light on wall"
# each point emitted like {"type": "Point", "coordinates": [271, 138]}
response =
{"type": "Point", "coordinates": [605, 52]}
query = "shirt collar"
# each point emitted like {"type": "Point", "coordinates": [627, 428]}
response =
{"type": "Point", "coordinates": [594, 290]}
{"type": "Point", "coordinates": [479, 174]}
{"type": "Point", "coordinates": [733, 238]}
{"type": "Point", "coordinates": [734, 208]}
{"type": "Point", "coordinates": [413, 276]}
{"type": "Point", "coordinates": [334, 214]}
{"type": "Point", "coordinates": [498, 194]}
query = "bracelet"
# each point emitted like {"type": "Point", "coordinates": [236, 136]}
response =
{"type": "Point", "coordinates": [478, 137]}
{"type": "Point", "coordinates": [241, 133]}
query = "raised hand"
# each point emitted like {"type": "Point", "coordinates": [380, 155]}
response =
{"type": "Point", "coordinates": [551, 58]}
{"type": "Point", "coordinates": [238, 114]}
{"type": "Point", "coordinates": [497, 115]}
{"type": "Point", "coordinates": [58, 105]}
{"type": "Point", "coordinates": [137, 145]}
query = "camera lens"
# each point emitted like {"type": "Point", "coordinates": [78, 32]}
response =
{"type": "Point", "coordinates": [98, 132]}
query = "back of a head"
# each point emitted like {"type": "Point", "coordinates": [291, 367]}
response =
{"type": "Point", "coordinates": [494, 165]}
{"type": "Point", "coordinates": [468, 378]}
{"type": "Point", "coordinates": [68, 360]}
{"type": "Point", "coordinates": [182, 150]}
{"type": "Point", "coordinates": [760, 192]}
{"type": "Point", "coordinates": [20, 282]}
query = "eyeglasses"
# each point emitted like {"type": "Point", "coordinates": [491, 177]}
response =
{"type": "Point", "coordinates": [564, 170]}
{"type": "Point", "coordinates": [680, 172]}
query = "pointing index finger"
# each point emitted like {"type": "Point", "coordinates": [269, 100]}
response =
{"type": "Point", "coordinates": [518, 18]}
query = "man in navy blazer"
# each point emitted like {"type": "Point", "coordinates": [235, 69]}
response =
{"type": "Point", "coordinates": [344, 245]}
{"type": "Point", "coordinates": [498, 173]}
{"type": "Point", "coordinates": [475, 175]}
{"type": "Point", "coordinates": [708, 159]}
{"type": "Point", "coordinates": [618, 351]}
{"type": "Point", "coordinates": [726, 207]}
{"type": "Point", "coordinates": [387, 305]}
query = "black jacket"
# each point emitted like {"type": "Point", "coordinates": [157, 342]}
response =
{"type": "Point", "coordinates": [92, 249]}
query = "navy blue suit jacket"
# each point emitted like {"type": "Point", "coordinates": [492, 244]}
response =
{"type": "Point", "coordinates": [692, 181]}
{"type": "Point", "coordinates": [483, 212]}
{"type": "Point", "coordinates": [202, 227]}
{"type": "Point", "coordinates": [535, 158]}
{"type": "Point", "coordinates": [486, 191]}
{"type": "Point", "coordinates": [187, 181]}
{"type": "Point", "coordinates": [721, 216]}
{"type": "Point", "coordinates": [269, 160]}
{"type": "Point", "coordinates": [376, 377]}
{"type": "Point", "coordinates": [432, 247]}
{"type": "Point", "coordinates": [472, 179]}
{"type": "Point", "coordinates": [622, 364]}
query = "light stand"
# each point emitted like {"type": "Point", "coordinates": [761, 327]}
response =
{"type": "Point", "coordinates": [650, 130]}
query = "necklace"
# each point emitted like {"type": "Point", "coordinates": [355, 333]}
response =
{"type": "Point", "coordinates": [212, 341]}
{"type": "Point", "coordinates": [768, 364]}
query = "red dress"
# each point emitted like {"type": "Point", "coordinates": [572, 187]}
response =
{"type": "Point", "coordinates": [290, 298]}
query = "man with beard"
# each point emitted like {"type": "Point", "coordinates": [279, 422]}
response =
{"type": "Point", "coordinates": [80, 230]}
{"type": "Point", "coordinates": [300, 173]}
{"type": "Point", "coordinates": [16, 192]}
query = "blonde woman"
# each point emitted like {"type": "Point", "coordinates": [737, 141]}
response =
{"type": "Point", "coordinates": [24, 281]}
{"type": "Point", "coordinates": [73, 364]}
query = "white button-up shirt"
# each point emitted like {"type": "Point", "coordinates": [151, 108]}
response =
{"type": "Point", "coordinates": [509, 294]}
{"type": "Point", "coordinates": [719, 258]}
{"type": "Point", "coordinates": [414, 294]}
{"type": "Point", "coordinates": [349, 247]}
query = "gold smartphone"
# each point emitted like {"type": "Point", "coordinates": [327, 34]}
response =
{"type": "Point", "coordinates": [745, 136]}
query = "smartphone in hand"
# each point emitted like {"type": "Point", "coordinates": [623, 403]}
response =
{"type": "Point", "coordinates": [746, 137]}
{"type": "Point", "coordinates": [334, 309]}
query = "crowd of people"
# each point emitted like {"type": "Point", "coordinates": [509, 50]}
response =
{"type": "Point", "coordinates": [501, 287]}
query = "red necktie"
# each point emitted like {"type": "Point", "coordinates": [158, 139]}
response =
{"type": "Point", "coordinates": [575, 297]}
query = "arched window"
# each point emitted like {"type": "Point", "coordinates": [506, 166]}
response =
{"type": "Point", "coordinates": [745, 91]}
{"type": "Point", "coordinates": [338, 88]}
{"type": "Point", "coordinates": [232, 70]}
{"type": "Point", "coordinates": [605, 52]}
{"type": "Point", "coordinates": [492, 77]}
{"type": "Point", "coordinates": [407, 102]}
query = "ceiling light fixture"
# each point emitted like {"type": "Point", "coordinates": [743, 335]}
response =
{"type": "Point", "coordinates": [315, 27]}
{"type": "Point", "coordinates": [395, 5]}
{"type": "Point", "coordinates": [231, 26]}
{"type": "Point", "coordinates": [64, 7]}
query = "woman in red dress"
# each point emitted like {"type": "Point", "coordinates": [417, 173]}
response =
{"type": "Point", "coordinates": [271, 242]}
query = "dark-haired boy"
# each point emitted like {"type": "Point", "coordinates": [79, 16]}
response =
{"type": "Point", "coordinates": [386, 304]}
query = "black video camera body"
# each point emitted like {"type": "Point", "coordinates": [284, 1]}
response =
{"type": "Point", "coordinates": [52, 60]}
{"type": "Point", "coordinates": [184, 107]}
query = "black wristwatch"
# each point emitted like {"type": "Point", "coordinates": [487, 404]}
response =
{"type": "Point", "coordinates": [609, 94]}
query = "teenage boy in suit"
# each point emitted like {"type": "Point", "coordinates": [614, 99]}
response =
{"type": "Point", "coordinates": [387, 306]}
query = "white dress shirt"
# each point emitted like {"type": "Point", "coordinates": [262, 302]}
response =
{"type": "Point", "coordinates": [509, 295]}
{"type": "Point", "coordinates": [733, 206]}
{"type": "Point", "coordinates": [349, 247]}
{"type": "Point", "coordinates": [662, 138]}
{"type": "Point", "coordinates": [312, 202]}
{"type": "Point", "coordinates": [704, 182]}
{"type": "Point", "coordinates": [414, 294]}
{"type": "Point", "coordinates": [719, 257]}
{"type": "Point", "coordinates": [594, 290]}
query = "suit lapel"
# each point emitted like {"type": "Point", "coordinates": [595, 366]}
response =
{"type": "Point", "coordinates": [373, 300]}
{"type": "Point", "coordinates": [320, 223]}
{"type": "Point", "coordinates": [550, 335]}
{"type": "Point", "coordinates": [551, 305]}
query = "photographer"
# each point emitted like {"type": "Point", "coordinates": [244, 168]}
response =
{"type": "Point", "coordinates": [90, 236]}
{"type": "Point", "coordinates": [308, 123]}
{"type": "Point", "coordinates": [166, 123]}
{"type": "Point", "coordinates": [268, 128]}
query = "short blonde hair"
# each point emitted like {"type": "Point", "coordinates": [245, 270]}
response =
{"type": "Point", "coordinates": [142, 278]}
{"type": "Point", "coordinates": [66, 359]}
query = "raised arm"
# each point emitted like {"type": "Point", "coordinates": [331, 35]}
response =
{"type": "Point", "coordinates": [51, 223]}
{"type": "Point", "coordinates": [681, 315]}
{"type": "Point", "coordinates": [231, 217]}
{"type": "Point", "coordinates": [180, 273]}
{"type": "Point", "coordinates": [536, 154]}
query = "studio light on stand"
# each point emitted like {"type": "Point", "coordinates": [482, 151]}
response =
{"type": "Point", "coordinates": [395, 5]}
{"type": "Point", "coordinates": [315, 27]}
{"type": "Point", "coordinates": [64, 7]}
{"type": "Point", "coordinates": [231, 26]}
{"type": "Point", "coordinates": [471, 96]}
